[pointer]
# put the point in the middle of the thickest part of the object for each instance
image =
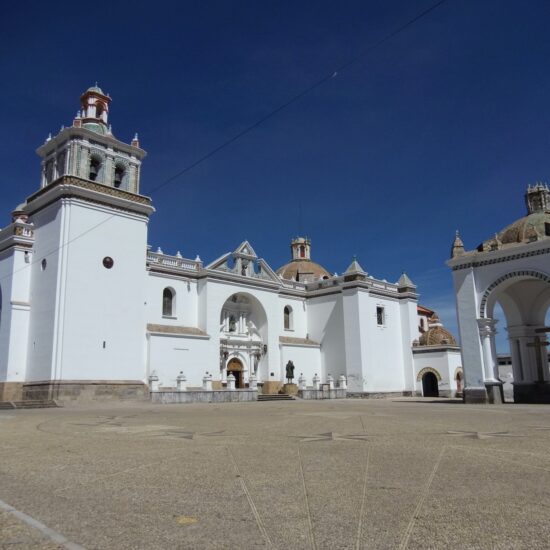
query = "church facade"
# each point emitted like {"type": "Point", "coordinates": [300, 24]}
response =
{"type": "Point", "coordinates": [88, 310]}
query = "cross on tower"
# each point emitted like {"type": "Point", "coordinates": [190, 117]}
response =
{"type": "Point", "coordinates": [540, 346]}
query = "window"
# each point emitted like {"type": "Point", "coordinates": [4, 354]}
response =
{"type": "Point", "coordinates": [168, 296]}
{"type": "Point", "coordinates": [95, 166]}
{"type": "Point", "coordinates": [120, 171]}
{"type": "Point", "coordinates": [380, 316]}
{"type": "Point", "coordinates": [302, 251]}
{"type": "Point", "coordinates": [287, 318]}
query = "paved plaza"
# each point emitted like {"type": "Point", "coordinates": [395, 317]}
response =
{"type": "Point", "coordinates": [322, 474]}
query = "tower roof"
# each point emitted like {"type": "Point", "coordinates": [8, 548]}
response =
{"type": "Point", "coordinates": [354, 267]}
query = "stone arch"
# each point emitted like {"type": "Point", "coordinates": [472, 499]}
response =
{"type": "Point", "coordinates": [521, 274]}
{"type": "Point", "coordinates": [459, 371]}
{"type": "Point", "coordinates": [425, 370]}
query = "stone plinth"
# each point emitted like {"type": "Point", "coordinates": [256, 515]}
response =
{"type": "Point", "coordinates": [203, 396]}
{"type": "Point", "coordinates": [290, 389]}
{"type": "Point", "coordinates": [271, 387]}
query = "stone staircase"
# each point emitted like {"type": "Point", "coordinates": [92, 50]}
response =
{"type": "Point", "coordinates": [275, 397]}
{"type": "Point", "coordinates": [30, 404]}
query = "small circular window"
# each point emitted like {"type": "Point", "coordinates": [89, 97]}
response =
{"type": "Point", "coordinates": [43, 264]}
{"type": "Point", "coordinates": [108, 262]}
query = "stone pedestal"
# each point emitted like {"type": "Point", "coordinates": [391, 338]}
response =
{"type": "Point", "coordinates": [495, 393]}
{"type": "Point", "coordinates": [207, 382]}
{"type": "Point", "coordinates": [181, 382]}
{"type": "Point", "coordinates": [230, 382]}
{"type": "Point", "coordinates": [316, 381]}
{"type": "Point", "coordinates": [302, 382]}
{"type": "Point", "coordinates": [253, 382]}
{"type": "Point", "coordinates": [154, 383]}
{"type": "Point", "coordinates": [330, 382]}
{"type": "Point", "coordinates": [290, 389]}
{"type": "Point", "coordinates": [342, 383]}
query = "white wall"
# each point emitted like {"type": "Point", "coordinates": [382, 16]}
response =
{"type": "Point", "coordinates": [168, 355]}
{"type": "Point", "coordinates": [325, 317]}
{"type": "Point", "coordinates": [15, 313]}
{"type": "Point", "coordinates": [95, 329]}
{"type": "Point", "coordinates": [382, 350]}
{"type": "Point", "coordinates": [307, 360]}
{"type": "Point", "coordinates": [185, 312]}
{"type": "Point", "coordinates": [299, 325]}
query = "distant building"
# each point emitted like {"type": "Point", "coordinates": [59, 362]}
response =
{"type": "Point", "coordinates": [88, 310]}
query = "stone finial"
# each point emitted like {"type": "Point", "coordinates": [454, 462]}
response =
{"type": "Point", "coordinates": [49, 138]}
{"type": "Point", "coordinates": [405, 282]}
{"type": "Point", "coordinates": [135, 141]}
{"type": "Point", "coordinates": [457, 249]}
{"type": "Point", "coordinates": [354, 267]}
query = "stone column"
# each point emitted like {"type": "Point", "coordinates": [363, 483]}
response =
{"type": "Point", "coordinates": [493, 384]}
{"type": "Point", "coordinates": [342, 383]}
{"type": "Point", "coordinates": [330, 382]}
{"type": "Point", "coordinates": [302, 382]}
{"type": "Point", "coordinates": [487, 333]}
{"type": "Point", "coordinates": [207, 382]}
{"type": "Point", "coordinates": [230, 382]}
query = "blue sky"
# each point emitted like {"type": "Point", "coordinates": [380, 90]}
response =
{"type": "Point", "coordinates": [441, 128]}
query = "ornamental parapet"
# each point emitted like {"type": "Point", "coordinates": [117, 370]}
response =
{"type": "Point", "coordinates": [156, 260]}
{"type": "Point", "coordinates": [18, 233]}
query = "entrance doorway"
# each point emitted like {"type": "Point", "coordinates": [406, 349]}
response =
{"type": "Point", "coordinates": [430, 387]}
{"type": "Point", "coordinates": [235, 367]}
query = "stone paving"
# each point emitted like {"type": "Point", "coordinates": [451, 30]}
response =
{"type": "Point", "coordinates": [301, 474]}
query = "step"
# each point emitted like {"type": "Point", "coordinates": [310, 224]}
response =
{"type": "Point", "coordinates": [30, 404]}
{"type": "Point", "coordinates": [275, 397]}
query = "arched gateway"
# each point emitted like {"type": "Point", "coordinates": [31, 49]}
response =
{"type": "Point", "coordinates": [243, 338]}
{"type": "Point", "coordinates": [513, 270]}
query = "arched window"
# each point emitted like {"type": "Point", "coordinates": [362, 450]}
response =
{"type": "Point", "coordinates": [302, 251]}
{"type": "Point", "coordinates": [99, 110]}
{"type": "Point", "coordinates": [120, 172]}
{"type": "Point", "coordinates": [288, 318]}
{"type": "Point", "coordinates": [168, 296]}
{"type": "Point", "coordinates": [95, 167]}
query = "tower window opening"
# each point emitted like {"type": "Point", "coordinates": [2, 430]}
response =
{"type": "Point", "coordinates": [99, 110]}
{"type": "Point", "coordinates": [95, 166]}
{"type": "Point", "coordinates": [119, 175]}
{"type": "Point", "coordinates": [302, 251]}
{"type": "Point", "coordinates": [380, 316]}
{"type": "Point", "coordinates": [168, 296]}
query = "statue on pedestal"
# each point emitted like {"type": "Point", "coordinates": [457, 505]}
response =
{"type": "Point", "coordinates": [289, 372]}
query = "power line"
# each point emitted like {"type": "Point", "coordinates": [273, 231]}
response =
{"type": "Point", "coordinates": [329, 76]}
{"type": "Point", "coordinates": [333, 74]}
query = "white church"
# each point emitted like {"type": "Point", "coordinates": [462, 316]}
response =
{"type": "Point", "coordinates": [89, 311]}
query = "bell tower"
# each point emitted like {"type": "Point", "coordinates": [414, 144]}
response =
{"type": "Point", "coordinates": [300, 248]}
{"type": "Point", "coordinates": [88, 149]}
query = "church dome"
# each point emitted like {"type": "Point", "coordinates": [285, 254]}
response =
{"type": "Point", "coordinates": [302, 270]}
{"type": "Point", "coordinates": [437, 335]}
{"type": "Point", "coordinates": [95, 89]}
{"type": "Point", "coordinates": [534, 226]}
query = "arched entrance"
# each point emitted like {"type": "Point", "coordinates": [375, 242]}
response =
{"type": "Point", "coordinates": [430, 387]}
{"type": "Point", "coordinates": [235, 367]}
{"type": "Point", "coordinates": [243, 339]}
{"type": "Point", "coordinates": [523, 298]}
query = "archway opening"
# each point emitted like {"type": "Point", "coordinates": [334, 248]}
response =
{"type": "Point", "coordinates": [520, 303]}
{"type": "Point", "coordinates": [235, 367]}
{"type": "Point", "coordinates": [430, 387]}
